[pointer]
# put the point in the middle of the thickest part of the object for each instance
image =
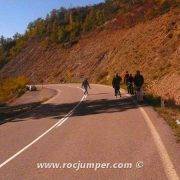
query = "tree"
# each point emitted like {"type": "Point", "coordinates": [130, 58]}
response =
{"type": "Point", "coordinates": [2, 41]}
{"type": "Point", "coordinates": [89, 21]}
{"type": "Point", "coordinates": [30, 25]}
{"type": "Point", "coordinates": [63, 35]}
{"type": "Point", "coordinates": [54, 32]}
{"type": "Point", "coordinates": [16, 36]}
{"type": "Point", "coordinates": [100, 18]}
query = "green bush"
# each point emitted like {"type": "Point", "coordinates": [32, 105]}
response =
{"type": "Point", "coordinates": [165, 7]}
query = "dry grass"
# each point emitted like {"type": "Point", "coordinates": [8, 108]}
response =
{"type": "Point", "coordinates": [170, 113]}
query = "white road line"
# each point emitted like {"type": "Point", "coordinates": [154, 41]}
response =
{"type": "Point", "coordinates": [60, 122]}
{"type": "Point", "coordinates": [167, 163]}
{"type": "Point", "coordinates": [50, 100]}
{"type": "Point", "coordinates": [71, 112]}
{"type": "Point", "coordinates": [165, 158]}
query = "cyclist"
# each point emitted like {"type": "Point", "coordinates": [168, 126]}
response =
{"type": "Point", "coordinates": [126, 79]}
{"type": "Point", "coordinates": [116, 85]}
{"type": "Point", "coordinates": [85, 86]}
{"type": "Point", "coordinates": [130, 84]}
{"type": "Point", "coordinates": [138, 82]}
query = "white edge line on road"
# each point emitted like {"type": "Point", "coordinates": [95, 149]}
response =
{"type": "Point", "coordinates": [167, 163]}
{"type": "Point", "coordinates": [165, 158]}
{"type": "Point", "coordinates": [60, 122]}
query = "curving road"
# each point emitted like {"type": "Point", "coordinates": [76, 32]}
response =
{"type": "Point", "coordinates": [72, 128]}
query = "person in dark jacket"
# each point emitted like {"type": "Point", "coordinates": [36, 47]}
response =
{"type": "Point", "coordinates": [138, 82]}
{"type": "Point", "coordinates": [130, 84]}
{"type": "Point", "coordinates": [85, 86]}
{"type": "Point", "coordinates": [116, 85]}
{"type": "Point", "coordinates": [126, 78]}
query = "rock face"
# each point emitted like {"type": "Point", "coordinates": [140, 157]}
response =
{"type": "Point", "coordinates": [151, 47]}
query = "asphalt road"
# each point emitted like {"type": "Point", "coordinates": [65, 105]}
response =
{"type": "Point", "coordinates": [72, 128]}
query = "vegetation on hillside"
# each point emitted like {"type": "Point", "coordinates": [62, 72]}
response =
{"type": "Point", "coordinates": [12, 87]}
{"type": "Point", "coordinates": [66, 26]}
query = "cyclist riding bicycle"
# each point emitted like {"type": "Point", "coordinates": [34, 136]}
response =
{"type": "Point", "coordinates": [116, 85]}
{"type": "Point", "coordinates": [85, 86]}
{"type": "Point", "coordinates": [130, 84]}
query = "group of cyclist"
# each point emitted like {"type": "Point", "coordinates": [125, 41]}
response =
{"type": "Point", "coordinates": [133, 83]}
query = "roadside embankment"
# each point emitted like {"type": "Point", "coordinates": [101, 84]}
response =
{"type": "Point", "coordinates": [26, 102]}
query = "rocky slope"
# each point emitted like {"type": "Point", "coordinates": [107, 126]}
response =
{"type": "Point", "coordinates": [152, 47]}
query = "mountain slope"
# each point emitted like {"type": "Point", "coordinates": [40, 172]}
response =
{"type": "Point", "coordinates": [152, 47]}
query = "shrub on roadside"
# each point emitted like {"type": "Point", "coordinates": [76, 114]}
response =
{"type": "Point", "coordinates": [12, 87]}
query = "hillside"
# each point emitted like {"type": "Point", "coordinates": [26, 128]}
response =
{"type": "Point", "coordinates": [151, 46]}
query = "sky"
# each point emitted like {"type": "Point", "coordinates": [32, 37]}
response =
{"type": "Point", "coordinates": [15, 15]}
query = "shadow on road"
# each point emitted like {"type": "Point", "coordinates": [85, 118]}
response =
{"type": "Point", "coordinates": [99, 94]}
{"type": "Point", "coordinates": [37, 111]}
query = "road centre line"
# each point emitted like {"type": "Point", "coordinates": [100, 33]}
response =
{"type": "Point", "coordinates": [60, 122]}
